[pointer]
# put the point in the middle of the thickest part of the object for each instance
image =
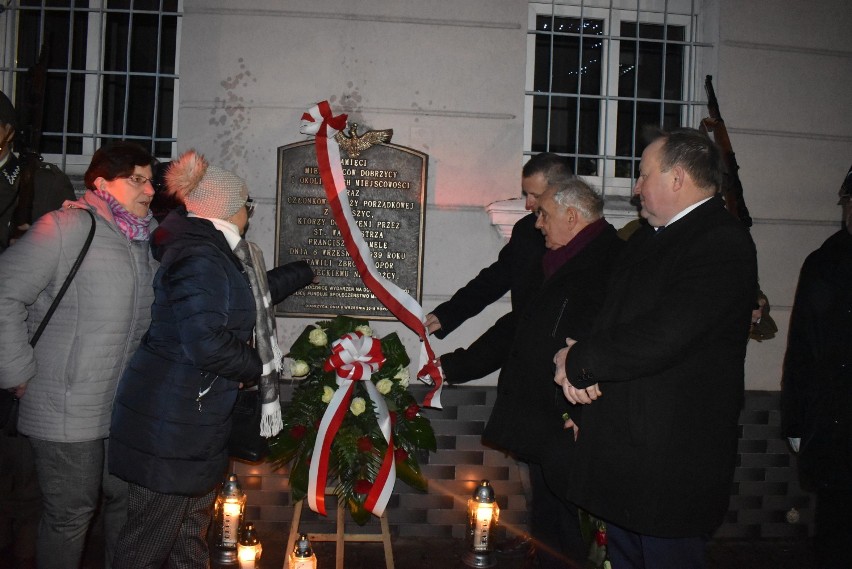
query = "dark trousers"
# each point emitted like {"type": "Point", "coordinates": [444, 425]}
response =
{"type": "Point", "coordinates": [555, 526]}
{"type": "Point", "coordinates": [833, 528]}
{"type": "Point", "coordinates": [630, 550]}
{"type": "Point", "coordinates": [164, 530]}
{"type": "Point", "coordinates": [20, 497]}
{"type": "Point", "coordinates": [74, 482]}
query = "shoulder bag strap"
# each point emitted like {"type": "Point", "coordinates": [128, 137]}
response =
{"type": "Point", "coordinates": [67, 282]}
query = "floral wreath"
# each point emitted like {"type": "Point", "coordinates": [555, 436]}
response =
{"type": "Point", "coordinates": [359, 449]}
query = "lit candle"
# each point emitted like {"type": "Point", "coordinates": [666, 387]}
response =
{"type": "Point", "coordinates": [483, 514]}
{"type": "Point", "coordinates": [230, 522]}
{"type": "Point", "coordinates": [302, 556]}
{"type": "Point", "coordinates": [483, 525]}
{"type": "Point", "coordinates": [247, 557]}
{"type": "Point", "coordinates": [249, 549]}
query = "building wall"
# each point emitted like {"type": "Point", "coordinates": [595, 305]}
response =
{"type": "Point", "coordinates": [448, 77]}
{"type": "Point", "coordinates": [783, 82]}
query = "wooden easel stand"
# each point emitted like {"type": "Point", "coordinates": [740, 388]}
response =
{"type": "Point", "coordinates": [340, 536]}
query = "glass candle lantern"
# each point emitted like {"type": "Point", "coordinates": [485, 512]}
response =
{"type": "Point", "coordinates": [249, 548]}
{"type": "Point", "coordinates": [302, 556]}
{"type": "Point", "coordinates": [228, 516]}
{"type": "Point", "coordinates": [482, 516]}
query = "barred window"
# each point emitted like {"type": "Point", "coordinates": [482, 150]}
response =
{"type": "Point", "coordinates": [111, 73]}
{"type": "Point", "coordinates": [600, 71]}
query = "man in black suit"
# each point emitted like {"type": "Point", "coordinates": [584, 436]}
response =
{"type": "Point", "coordinates": [662, 371]}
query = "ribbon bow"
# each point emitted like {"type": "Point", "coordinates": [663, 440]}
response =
{"type": "Point", "coordinates": [321, 122]}
{"type": "Point", "coordinates": [354, 357]}
{"type": "Point", "coordinates": [320, 116]}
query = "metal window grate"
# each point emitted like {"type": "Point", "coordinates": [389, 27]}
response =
{"type": "Point", "coordinates": [599, 71]}
{"type": "Point", "coordinates": [110, 71]}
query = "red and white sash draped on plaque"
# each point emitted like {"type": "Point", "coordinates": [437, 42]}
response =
{"type": "Point", "coordinates": [320, 122]}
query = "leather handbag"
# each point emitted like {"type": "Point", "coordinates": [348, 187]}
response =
{"type": "Point", "coordinates": [245, 442]}
{"type": "Point", "coordinates": [8, 402]}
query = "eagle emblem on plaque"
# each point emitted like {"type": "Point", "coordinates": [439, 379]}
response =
{"type": "Point", "coordinates": [354, 144]}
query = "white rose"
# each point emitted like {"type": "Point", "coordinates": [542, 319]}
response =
{"type": "Point", "coordinates": [364, 329]}
{"type": "Point", "coordinates": [403, 376]}
{"type": "Point", "coordinates": [358, 406]}
{"type": "Point", "coordinates": [384, 386]}
{"type": "Point", "coordinates": [299, 368]}
{"type": "Point", "coordinates": [318, 337]}
{"type": "Point", "coordinates": [327, 394]}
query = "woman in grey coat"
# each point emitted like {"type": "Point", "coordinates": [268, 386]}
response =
{"type": "Point", "coordinates": [66, 384]}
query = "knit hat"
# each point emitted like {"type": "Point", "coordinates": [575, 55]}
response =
{"type": "Point", "coordinates": [206, 190]}
{"type": "Point", "coordinates": [7, 111]}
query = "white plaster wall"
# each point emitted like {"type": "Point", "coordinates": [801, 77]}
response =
{"type": "Point", "coordinates": [784, 80]}
{"type": "Point", "coordinates": [448, 77]}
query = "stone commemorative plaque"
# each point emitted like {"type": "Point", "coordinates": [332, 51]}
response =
{"type": "Point", "coordinates": [386, 188]}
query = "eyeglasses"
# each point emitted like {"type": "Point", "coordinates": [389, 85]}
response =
{"type": "Point", "coordinates": [139, 179]}
{"type": "Point", "coordinates": [249, 207]}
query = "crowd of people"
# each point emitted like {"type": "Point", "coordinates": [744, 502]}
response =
{"type": "Point", "coordinates": [638, 426]}
{"type": "Point", "coordinates": [621, 362]}
{"type": "Point", "coordinates": [124, 403]}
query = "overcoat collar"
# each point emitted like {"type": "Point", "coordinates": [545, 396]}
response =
{"type": "Point", "coordinates": [646, 241]}
{"type": "Point", "coordinates": [584, 258]}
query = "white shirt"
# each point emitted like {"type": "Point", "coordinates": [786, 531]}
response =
{"type": "Point", "coordinates": [683, 212]}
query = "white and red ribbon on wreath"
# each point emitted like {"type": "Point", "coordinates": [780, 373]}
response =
{"type": "Point", "coordinates": [320, 122]}
{"type": "Point", "coordinates": [354, 357]}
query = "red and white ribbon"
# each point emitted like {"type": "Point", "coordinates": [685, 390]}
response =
{"type": "Point", "coordinates": [320, 122]}
{"type": "Point", "coordinates": [354, 357]}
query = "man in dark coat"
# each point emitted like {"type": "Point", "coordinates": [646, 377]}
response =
{"type": "Point", "coordinates": [527, 419]}
{"type": "Point", "coordinates": [656, 452]}
{"type": "Point", "coordinates": [517, 269]}
{"type": "Point", "coordinates": [29, 187]}
{"type": "Point", "coordinates": [10, 169]}
{"type": "Point", "coordinates": [816, 392]}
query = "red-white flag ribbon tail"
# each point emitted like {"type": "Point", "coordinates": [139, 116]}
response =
{"type": "Point", "coordinates": [320, 122]}
{"type": "Point", "coordinates": [354, 358]}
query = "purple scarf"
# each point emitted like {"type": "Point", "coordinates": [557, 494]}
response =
{"type": "Point", "coordinates": [554, 258]}
{"type": "Point", "coordinates": [134, 228]}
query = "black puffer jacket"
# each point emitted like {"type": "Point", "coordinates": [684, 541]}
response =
{"type": "Point", "coordinates": [171, 418]}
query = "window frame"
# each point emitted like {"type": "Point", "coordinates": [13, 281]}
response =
{"type": "Point", "coordinates": [686, 13]}
{"type": "Point", "coordinates": [95, 74]}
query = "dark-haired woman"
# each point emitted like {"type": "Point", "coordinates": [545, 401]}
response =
{"type": "Point", "coordinates": [66, 384]}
